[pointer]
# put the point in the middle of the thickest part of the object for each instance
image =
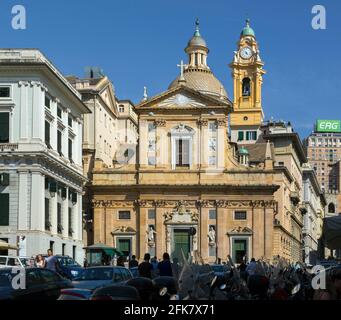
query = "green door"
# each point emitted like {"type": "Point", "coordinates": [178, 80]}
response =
{"type": "Point", "coordinates": [181, 242]}
{"type": "Point", "coordinates": [124, 246]}
{"type": "Point", "coordinates": [239, 250]}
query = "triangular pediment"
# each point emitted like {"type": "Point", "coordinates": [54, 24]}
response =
{"type": "Point", "coordinates": [183, 97]}
{"type": "Point", "coordinates": [107, 93]}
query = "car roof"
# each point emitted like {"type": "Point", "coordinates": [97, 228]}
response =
{"type": "Point", "coordinates": [106, 267]}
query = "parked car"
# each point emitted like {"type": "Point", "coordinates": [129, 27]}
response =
{"type": "Point", "coordinates": [9, 261]}
{"type": "Point", "coordinates": [40, 284]}
{"type": "Point", "coordinates": [116, 292]}
{"type": "Point", "coordinates": [68, 267]}
{"type": "Point", "coordinates": [95, 277]}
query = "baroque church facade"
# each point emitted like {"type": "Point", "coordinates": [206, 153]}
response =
{"type": "Point", "coordinates": [190, 189]}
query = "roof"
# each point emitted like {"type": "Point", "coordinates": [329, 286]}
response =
{"type": "Point", "coordinates": [203, 81]}
{"type": "Point", "coordinates": [295, 139]}
{"type": "Point", "coordinates": [257, 152]}
{"type": "Point", "coordinates": [35, 58]}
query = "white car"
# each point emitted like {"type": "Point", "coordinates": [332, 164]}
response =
{"type": "Point", "coordinates": [12, 261]}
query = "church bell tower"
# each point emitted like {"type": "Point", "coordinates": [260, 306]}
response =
{"type": "Point", "coordinates": [247, 73]}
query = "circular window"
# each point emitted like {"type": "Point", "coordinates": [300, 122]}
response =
{"type": "Point", "coordinates": [246, 118]}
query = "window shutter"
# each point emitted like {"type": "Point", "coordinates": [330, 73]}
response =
{"type": "Point", "coordinates": [4, 127]}
{"type": "Point", "coordinates": [4, 179]}
{"type": "Point", "coordinates": [4, 212]}
{"type": "Point", "coordinates": [177, 152]}
{"type": "Point", "coordinates": [185, 152]}
{"type": "Point", "coordinates": [240, 136]}
{"type": "Point", "coordinates": [47, 134]}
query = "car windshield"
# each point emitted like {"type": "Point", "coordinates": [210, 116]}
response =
{"type": "Point", "coordinates": [96, 274]}
{"type": "Point", "coordinates": [67, 262]}
{"type": "Point", "coordinates": [5, 278]}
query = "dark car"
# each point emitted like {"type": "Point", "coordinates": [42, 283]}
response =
{"type": "Point", "coordinates": [39, 284]}
{"type": "Point", "coordinates": [68, 267]}
{"type": "Point", "coordinates": [94, 278]}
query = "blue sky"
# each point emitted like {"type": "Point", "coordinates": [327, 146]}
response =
{"type": "Point", "coordinates": [140, 43]}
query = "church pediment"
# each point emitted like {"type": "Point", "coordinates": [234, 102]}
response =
{"type": "Point", "coordinates": [181, 215]}
{"type": "Point", "coordinates": [183, 97]}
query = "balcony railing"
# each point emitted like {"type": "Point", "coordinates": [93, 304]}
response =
{"type": "Point", "coordinates": [8, 146]}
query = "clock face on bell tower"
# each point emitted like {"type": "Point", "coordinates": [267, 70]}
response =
{"type": "Point", "coordinates": [247, 73]}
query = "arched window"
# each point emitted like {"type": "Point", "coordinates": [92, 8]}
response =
{"type": "Point", "coordinates": [331, 208]}
{"type": "Point", "coordinates": [246, 87]}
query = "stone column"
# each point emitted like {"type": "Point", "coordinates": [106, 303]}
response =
{"type": "Point", "coordinates": [53, 214]}
{"type": "Point", "coordinates": [65, 134]}
{"type": "Point", "coordinates": [143, 144]}
{"type": "Point", "coordinates": [23, 213]}
{"type": "Point", "coordinates": [221, 233]}
{"type": "Point", "coordinates": [37, 201]}
{"type": "Point", "coordinates": [160, 234]}
{"type": "Point", "coordinates": [65, 215]}
{"type": "Point", "coordinates": [98, 225]}
{"type": "Point", "coordinates": [204, 248]}
{"type": "Point", "coordinates": [109, 216]}
{"type": "Point", "coordinates": [142, 231]}
{"type": "Point", "coordinates": [221, 141]}
{"type": "Point", "coordinates": [203, 143]}
{"type": "Point", "coordinates": [78, 217]}
{"type": "Point", "coordinates": [161, 143]}
{"type": "Point", "coordinates": [38, 114]}
{"type": "Point", "coordinates": [24, 110]}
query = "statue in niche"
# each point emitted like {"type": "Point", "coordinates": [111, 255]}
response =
{"type": "Point", "coordinates": [212, 236]}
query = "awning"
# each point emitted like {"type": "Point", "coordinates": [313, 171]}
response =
{"type": "Point", "coordinates": [7, 246]}
{"type": "Point", "coordinates": [110, 251]}
{"type": "Point", "coordinates": [332, 232]}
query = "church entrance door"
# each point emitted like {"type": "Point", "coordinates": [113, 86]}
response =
{"type": "Point", "coordinates": [181, 242]}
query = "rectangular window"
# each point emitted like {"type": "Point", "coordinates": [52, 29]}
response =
{"type": "Point", "coordinates": [151, 214]}
{"type": "Point", "coordinates": [213, 127]}
{"type": "Point", "coordinates": [47, 214]}
{"type": "Point", "coordinates": [182, 152]}
{"type": "Point", "coordinates": [59, 142]}
{"type": "Point", "coordinates": [5, 92]}
{"type": "Point", "coordinates": [69, 122]}
{"type": "Point", "coordinates": [59, 218]}
{"type": "Point", "coordinates": [4, 127]}
{"type": "Point", "coordinates": [121, 108]}
{"type": "Point", "coordinates": [47, 134]}
{"type": "Point", "coordinates": [47, 102]}
{"type": "Point", "coordinates": [4, 212]}
{"type": "Point", "coordinates": [70, 222]}
{"type": "Point", "coordinates": [70, 150]}
{"type": "Point", "coordinates": [59, 113]}
{"type": "Point", "coordinates": [240, 215]}
{"type": "Point", "coordinates": [240, 135]}
{"type": "Point", "coordinates": [124, 215]}
{"type": "Point", "coordinates": [212, 214]}
{"type": "Point", "coordinates": [254, 135]}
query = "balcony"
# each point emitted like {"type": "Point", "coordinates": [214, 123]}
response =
{"type": "Point", "coordinates": [8, 147]}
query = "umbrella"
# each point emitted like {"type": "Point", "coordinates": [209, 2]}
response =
{"type": "Point", "coordinates": [6, 246]}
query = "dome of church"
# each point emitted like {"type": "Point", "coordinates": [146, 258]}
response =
{"type": "Point", "coordinates": [203, 81]}
{"type": "Point", "coordinates": [196, 74]}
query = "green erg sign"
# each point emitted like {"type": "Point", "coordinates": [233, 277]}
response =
{"type": "Point", "coordinates": [328, 126]}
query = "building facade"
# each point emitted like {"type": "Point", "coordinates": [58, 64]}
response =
{"type": "Point", "coordinates": [41, 156]}
{"type": "Point", "coordinates": [314, 203]}
{"type": "Point", "coordinates": [189, 191]}
{"type": "Point", "coordinates": [323, 149]}
{"type": "Point", "coordinates": [108, 132]}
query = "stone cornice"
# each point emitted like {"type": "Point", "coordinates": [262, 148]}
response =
{"type": "Point", "coordinates": [230, 204]}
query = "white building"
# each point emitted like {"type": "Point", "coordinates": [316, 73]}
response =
{"type": "Point", "coordinates": [40, 156]}
{"type": "Point", "coordinates": [314, 203]}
